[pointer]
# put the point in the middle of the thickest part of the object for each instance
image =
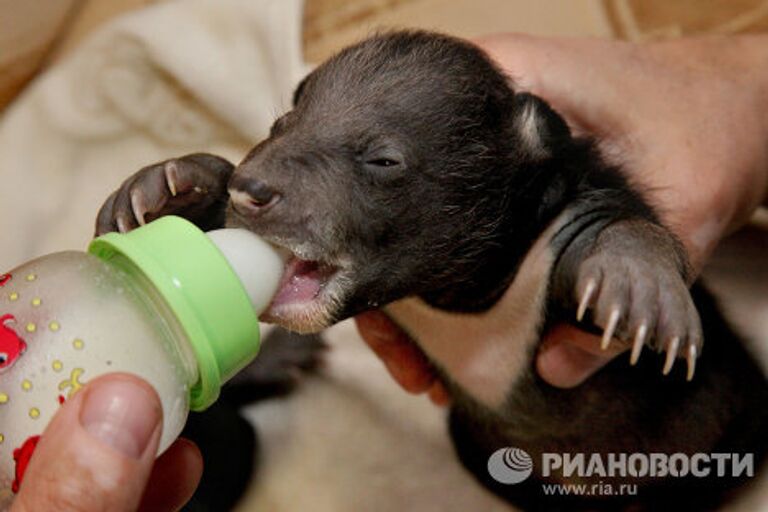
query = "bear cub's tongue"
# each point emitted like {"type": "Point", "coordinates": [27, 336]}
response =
{"type": "Point", "coordinates": [301, 282]}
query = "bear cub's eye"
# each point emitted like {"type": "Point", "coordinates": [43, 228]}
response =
{"type": "Point", "coordinates": [383, 162]}
{"type": "Point", "coordinates": [384, 159]}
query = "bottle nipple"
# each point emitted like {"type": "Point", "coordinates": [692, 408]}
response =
{"type": "Point", "coordinates": [258, 265]}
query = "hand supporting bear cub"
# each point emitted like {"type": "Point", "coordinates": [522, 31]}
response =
{"type": "Point", "coordinates": [704, 160]}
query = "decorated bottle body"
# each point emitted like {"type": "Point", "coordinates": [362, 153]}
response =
{"type": "Point", "coordinates": [70, 317]}
{"type": "Point", "coordinates": [165, 302]}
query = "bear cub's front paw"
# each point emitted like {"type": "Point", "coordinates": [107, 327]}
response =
{"type": "Point", "coordinates": [193, 187]}
{"type": "Point", "coordinates": [640, 302]}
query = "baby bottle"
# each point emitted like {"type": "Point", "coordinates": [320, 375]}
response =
{"type": "Point", "coordinates": [167, 302]}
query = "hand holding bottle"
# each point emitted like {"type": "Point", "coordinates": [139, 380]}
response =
{"type": "Point", "coordinates": [98, 453]}
{"type": "Point", "coordinates": [166, 303]}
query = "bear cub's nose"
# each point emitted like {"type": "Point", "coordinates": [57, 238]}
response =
{"type": "Point", "coordinates": [251, 195]}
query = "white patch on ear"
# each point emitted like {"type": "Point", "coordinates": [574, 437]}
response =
{"type": "Point", "coordinates": [528, 127]}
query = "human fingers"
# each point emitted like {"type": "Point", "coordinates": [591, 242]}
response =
{"type": "Point", "coordinates": [174, 477]}
{"type": "Point", "coordinates": [404, 361]}
{"type": "Point", "coordinates": [569, 356]}
{"type": "Point", "coordinates": [97, 453]}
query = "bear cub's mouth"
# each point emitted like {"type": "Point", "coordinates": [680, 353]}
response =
{"type": "Point", "coordinates": [303, 281]}
{"type": "Point", "coordinates": [308, 294]}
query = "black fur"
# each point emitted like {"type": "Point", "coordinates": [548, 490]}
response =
{"type": "Point", "coordinates": [410, 162]}
{"type": "Point", "coordinates": [638, 411]}
{"type": "Point", "coordinates": [228, 442]}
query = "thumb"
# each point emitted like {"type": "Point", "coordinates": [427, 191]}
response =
{"type": "Point", "coordinates": [98, 451]}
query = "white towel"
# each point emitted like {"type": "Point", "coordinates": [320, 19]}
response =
{"type": "Point", "coordinates": [211, 75]}
{"type": "Point", "coordinates": [179, 77]}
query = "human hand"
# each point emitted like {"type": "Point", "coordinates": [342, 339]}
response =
{"type": "Point", "coordinates": [685, 118]}
{"type": "Point", "coordinates": [98, 453]}
{"type": "Point", "coordinates": [402, 358]}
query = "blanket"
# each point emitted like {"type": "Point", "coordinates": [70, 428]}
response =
{"type": "Point", "coordinates": [211, 75]}
{"type": "Point", "coordinates": [176, 78]}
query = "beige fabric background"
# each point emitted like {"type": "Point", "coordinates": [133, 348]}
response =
{"type": "Point", "coordinates": [343, 443]}
{"type": "Point", "coordinates": [36, 32]}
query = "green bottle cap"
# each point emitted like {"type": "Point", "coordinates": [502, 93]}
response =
{"type": "Point", "coordinates": [201, 288]}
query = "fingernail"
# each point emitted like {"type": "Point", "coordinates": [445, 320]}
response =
{"type": "Point", "coordinates": [122, 414]}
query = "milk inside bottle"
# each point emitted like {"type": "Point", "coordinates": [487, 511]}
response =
{"type": "Point", "coordinates": [167, 302]}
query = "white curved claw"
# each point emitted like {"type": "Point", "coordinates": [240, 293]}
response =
{"type": "Point", "coordinates": [122, 224]}
{"type": "Point", "coordinates": [138, 206]}
{"type": "Point", "coordinates": [170, 169]}
{"type": "Point", "coordinates": [613, 321]}
{"type": "Point", "coordinates": [585, 298]}
{"type": "Point", "coordinates": [691, 358]}
{"type": "Point", "coordinates": [674, 345]}
{"type": "Point", "coordinates": [637, 345]}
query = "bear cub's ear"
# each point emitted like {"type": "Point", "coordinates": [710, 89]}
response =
{"type": "Point", "coordinates": [299, 91]}
{"type": "Point", "coordinates": [540, 129]}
